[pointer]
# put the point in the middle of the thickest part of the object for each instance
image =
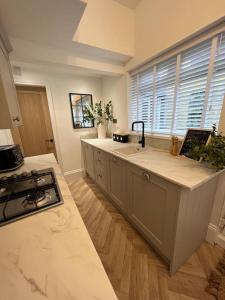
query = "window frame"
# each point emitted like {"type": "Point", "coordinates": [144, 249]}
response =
{"type": "Point", "coordinates": [214, 41]}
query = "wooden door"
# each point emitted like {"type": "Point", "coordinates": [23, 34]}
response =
{"type": "Point", "coordinates": [35, 135]}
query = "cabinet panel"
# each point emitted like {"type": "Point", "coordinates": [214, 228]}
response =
{"type": "Point", "coordinates": [89, 160]}
{"type": "Point", "coordinates": [101, 170]}
{"type": "Point", "coordinates": [117, 182]}
{"type": "Point", "coordinates": [153, 206]}
{"type": "Point", "coordinates": [10, 113]}
{"type": "Point", "coordinates": [100, 157]}
{"type": "Point", "coordinates": [148, 205]}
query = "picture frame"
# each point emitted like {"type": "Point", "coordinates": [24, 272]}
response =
{"type": "Point", "coordinates": [77, 103]}
{"type": "Point", "coordinates": [200, 136]}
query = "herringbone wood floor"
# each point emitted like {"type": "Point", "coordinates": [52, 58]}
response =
{"type": "Point", "coordinates": [134, 269]}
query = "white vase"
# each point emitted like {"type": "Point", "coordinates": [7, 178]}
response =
{"type": "Point", "coordinates": [102, 131]}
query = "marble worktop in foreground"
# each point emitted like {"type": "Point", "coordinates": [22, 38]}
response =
{"type": "Point", "coordinates": [50, 255]}
{"type": "Point", "coordinates": [180, 170]}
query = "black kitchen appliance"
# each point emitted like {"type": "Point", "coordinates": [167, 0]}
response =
{"type": "Point", "coordinates": [11, 158]}
{"type": "Point", "coordinates": [121, 138]}
{"type": "Point", "coordinates": [27, 193]}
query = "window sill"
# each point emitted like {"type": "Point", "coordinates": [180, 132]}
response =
{"type": "Point", "coordinates": [154, 135]}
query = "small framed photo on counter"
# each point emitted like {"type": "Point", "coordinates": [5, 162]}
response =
{"type": "Point", "coordinates": [193, 138]}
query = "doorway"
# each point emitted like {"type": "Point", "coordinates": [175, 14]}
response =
{"type": "Point", "coordinates": [35, 136]}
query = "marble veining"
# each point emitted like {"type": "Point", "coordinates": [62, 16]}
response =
{"type": "Point", "coordinates": [180, 170]}
{"type": "Point", "coordinates": [50, 255]}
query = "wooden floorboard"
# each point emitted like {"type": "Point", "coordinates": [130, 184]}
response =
{"type": "Point", "coordinates": [136, 272]}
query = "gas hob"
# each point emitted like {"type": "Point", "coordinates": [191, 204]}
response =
{"type": "Point", "coordinates": [27, 193]}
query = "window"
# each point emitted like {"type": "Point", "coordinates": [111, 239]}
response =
{"type": "Point", "coordinates": [165, 78]}
{"type": "Point", "coordinates": [184, 91]}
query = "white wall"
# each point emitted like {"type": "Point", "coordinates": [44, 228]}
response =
{"type": "Point", "coordinates": [5, 137]}
{"type": "Point", "coordinates": [115, 89]}
{"type": "Point", "coordinates": [59, 87]}
{"type": "Point", "coordinates": [160, 24]}
{"type": "Point", "coordinates": [108, 25]}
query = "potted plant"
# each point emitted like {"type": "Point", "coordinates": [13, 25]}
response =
{"type": "Point", "coordinates": [101, 114]}
{"type": "Point", "coordinates": [212, 154]}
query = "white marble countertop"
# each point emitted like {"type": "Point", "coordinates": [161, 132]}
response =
{"type": "Point", "coordinates": [181, 170]}
{"type": "Point", "coordinates": [50, 255]}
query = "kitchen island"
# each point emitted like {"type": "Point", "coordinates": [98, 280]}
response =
{"type": "Point", "coordinates": [50, 255]}
{"type": "Point", "coordinates": [168, 199]}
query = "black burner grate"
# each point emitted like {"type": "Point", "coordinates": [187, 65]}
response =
{"type": "Point", "coordinates": [27, 193]}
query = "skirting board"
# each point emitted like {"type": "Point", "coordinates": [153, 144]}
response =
{"type": "Point", "coordinates": [220, 240]}
{"type": "Point", "coordinates": [214, 236]}
{"type": "Point", "coordinates": [73, 172]}
{"type": "Point", "coordinates": [211, 233]}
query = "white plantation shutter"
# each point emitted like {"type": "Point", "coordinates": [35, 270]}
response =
{"type": "Point", "coordinates": [145, 103]}
{"type": "Point", "coordinates": [217, 85]}
{"type": "Point", "coordinates": [185, 91]}
{"type": "Point", "coordinates": [164, 96]}
{"type": "Point", "coordinates": [142, 99]}
{"type": "Point", "coordinates": [191, 88]}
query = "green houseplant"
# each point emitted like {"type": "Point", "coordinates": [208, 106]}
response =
{"type": "Point", "coordinates": [214, 153]}
{"type": "Point", "coordinates": [101, 113]}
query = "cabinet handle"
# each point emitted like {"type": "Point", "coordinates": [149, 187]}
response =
{"type": "Point", "coordinates": [114, 160]}
{"type": "Point", "coordinates": [100, 175]}
{"type": "Point", "coordinates": [16, 119]}
{"type": "Point", "coordinates": [146, 176]}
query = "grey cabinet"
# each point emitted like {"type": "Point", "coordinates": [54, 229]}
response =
{"type": "Point", "coordinates": [153, 206]}
{"type": "Point", "coordinates": [172, 218]}
{"type": "Point", "coordinates": [89, 160]}
{"type": "Point", "coordinates": [117, 181]}
{"type": "Point", "coordinates": [101, 169]}
{"type": "Point", "coordinates": [10, 113]}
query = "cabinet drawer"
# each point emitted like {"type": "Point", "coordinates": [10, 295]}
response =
{"type": "Point", "coordinates": [101, 177]}
{"type": "Point", "coordinates": [87, 146]}
{"type": "Point", "coordinates": [100, 157]}
{"type": "Point", "coordinates": [89, 159]}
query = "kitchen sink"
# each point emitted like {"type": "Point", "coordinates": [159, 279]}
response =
{"type": "Point", "coordinates": [130, 150]}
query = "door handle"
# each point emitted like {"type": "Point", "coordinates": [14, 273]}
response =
{"type": "Point", "coordinates": [16, 119]}
{"type": "Point", "coordinates": [50, 141]}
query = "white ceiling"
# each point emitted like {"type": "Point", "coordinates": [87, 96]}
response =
{"type": "Point", "coordinates": [51, 23]}
{"type": "Point", "coordinates": [129, 3]}
{"type": "Point", "coordinates": [47, 22]}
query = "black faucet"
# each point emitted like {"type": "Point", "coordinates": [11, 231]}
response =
{"type": "Point", "coordinates": [142, 141]}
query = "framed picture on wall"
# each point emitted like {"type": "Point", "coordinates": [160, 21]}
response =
{"type": "Point", "coordinates": [77, 104]}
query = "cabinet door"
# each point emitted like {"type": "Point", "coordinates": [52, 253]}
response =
{"type": "Point", "coordinates": [101, 170]}
{"type": "Point", "coordinates": [89, 160]}
{"type": "Point", "coordinates": [117, 188]}
{"type": "Point", "coordinates": [10, 113]}
{"type": "Point", "coordinates": [153, 206]}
